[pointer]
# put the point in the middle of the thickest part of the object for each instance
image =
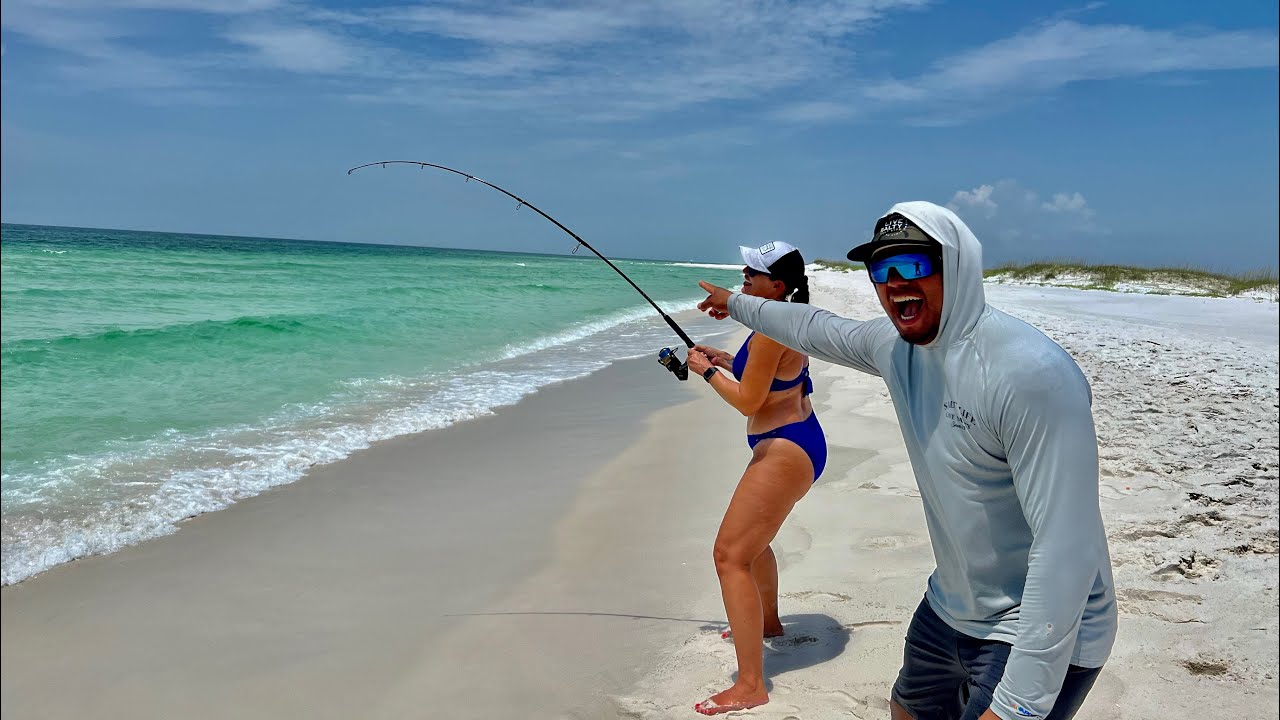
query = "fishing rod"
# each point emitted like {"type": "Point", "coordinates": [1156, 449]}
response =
{"type": "Point", "coordinates": [666, 356]}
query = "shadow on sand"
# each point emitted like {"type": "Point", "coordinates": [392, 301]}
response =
{"type": "Point", "coordinates": [811, 639]}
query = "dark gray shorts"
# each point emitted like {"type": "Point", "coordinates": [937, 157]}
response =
{"type": "Point", "coordinates": [947, 675]}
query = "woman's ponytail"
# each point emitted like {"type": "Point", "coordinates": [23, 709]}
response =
{"type": "Point", "coordinates": [800, 293]}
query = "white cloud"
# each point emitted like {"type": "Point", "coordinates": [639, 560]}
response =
{"type": "Point", "coordinates": [1014, 223]}
{"type": "Point", "coordinates": [97, 51]}
{"type": "Point", "coordinates": [1067, 203]}
{"type": "Point", "coordinates": [602, 61]}
{"type": "Point", "coordinates": [563, 27]}
{"type": "Point", "coordinates": [815, 111]}
{"type": "Point", "coordinates": [296, 49]}
{"type": "Point", "coordinates": [610, 61]}
{"type": "Point", "coordinates": [593, 60]}
{"type": "Point", "coordinates": [1051, 55]}
{"type": "Point", "coordinates": [83, 36]}
{"type": "Point", "coordinates": [977, 199]}
{"type": "Point", "coordinates": [216, 7]}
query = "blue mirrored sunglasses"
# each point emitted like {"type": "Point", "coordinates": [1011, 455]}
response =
{"type": "Point", "coordinates": [911, 266]}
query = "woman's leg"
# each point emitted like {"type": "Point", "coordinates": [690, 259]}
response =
{"type": "Point", "coordinates": [765, 572]}
{"type": "Point", "coordinates": [779, 474]}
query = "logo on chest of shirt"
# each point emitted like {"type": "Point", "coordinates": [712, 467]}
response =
{"type": "Point", "coordinates": [958, 416]}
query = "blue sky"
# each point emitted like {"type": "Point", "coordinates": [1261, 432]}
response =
{"type": "Point", "coordinates": [1126, 132]}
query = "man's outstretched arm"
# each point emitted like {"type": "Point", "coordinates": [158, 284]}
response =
{"type": "Point", "coordinates": [803, 327]}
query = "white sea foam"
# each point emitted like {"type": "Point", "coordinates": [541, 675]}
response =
{"type": "Point", "coordinates": [153, 486]}
{"type": "Point", "coordinates": [713, 266]}
{"type": "Point", "coordinates": [594, 327]}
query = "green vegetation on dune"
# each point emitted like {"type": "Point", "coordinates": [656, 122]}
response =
{"type": "Point", "coordinates": [1184, 280]}
{"type": "Point", "coordinates": [1252, 281]}
{"type": "Point", "coordinates": [1166, 280]}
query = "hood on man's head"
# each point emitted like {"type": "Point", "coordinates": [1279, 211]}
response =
{"type": "Point", "coordinates": [963, 299]}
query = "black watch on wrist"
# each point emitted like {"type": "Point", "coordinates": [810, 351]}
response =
{"type": "Point", "coordinates": [711, 371]}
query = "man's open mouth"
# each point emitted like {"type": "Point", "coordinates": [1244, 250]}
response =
{"type": "Point", "coordinates": [908, 306]}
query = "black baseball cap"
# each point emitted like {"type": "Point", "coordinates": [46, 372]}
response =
{"type": "Point", "coordinates": [892, 230]}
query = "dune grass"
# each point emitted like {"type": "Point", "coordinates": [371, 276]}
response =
{"type": "Point", "coordinates": [1180, 280]}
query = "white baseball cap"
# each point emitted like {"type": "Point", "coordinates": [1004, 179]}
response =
{"type": "Point", "coordinates": [763, 257]}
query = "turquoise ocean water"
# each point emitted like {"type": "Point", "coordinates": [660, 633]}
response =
{"type": "Point", "coordinates": [149, 377]}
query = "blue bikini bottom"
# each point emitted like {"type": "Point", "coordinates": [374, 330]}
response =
{"type": "Point", "coordinates": [807, 434]}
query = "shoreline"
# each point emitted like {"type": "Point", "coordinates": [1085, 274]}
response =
{"type": "Point", "coordinates": [233, 465]}
{"type": "Point", "coordinates": [337, 582]}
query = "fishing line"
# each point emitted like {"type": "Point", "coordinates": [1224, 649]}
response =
{"type": "Point", "coordinates": [666, 357]}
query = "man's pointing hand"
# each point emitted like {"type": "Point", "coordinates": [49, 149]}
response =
{"type": "Point", "coordinates": [717, 302]}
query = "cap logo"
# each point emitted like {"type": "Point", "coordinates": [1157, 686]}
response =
{"type": "Point", "coordinates": [766, 248]}
{"type": "Point", "coordinates": [894, 226]}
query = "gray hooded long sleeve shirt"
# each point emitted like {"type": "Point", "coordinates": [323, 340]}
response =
{"type": "Point", "coordinates": [998, 425]}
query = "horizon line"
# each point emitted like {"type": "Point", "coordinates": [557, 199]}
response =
{"type": "Point", "coordinates": [568, 255]}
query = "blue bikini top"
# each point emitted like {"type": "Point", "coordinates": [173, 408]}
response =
{"type": "Point", "coordinates": [740, 364]}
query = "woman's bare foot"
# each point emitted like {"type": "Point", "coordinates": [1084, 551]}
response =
{"type": "Point", "coordinates": [771, 630]}
{"type": "Point", "coordinates": [735, 698]}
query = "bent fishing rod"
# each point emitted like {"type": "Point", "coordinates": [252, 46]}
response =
{"type": "Point", "coordinates": [666, 356]}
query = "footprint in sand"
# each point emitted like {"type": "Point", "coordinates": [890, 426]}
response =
{"type": "Point", "coordinates": [1206, 500]}
{"type": "Point", "coordinates": [816, 594]}
{"type": "Point", "coordinates": [636, 709]}
{"type": "Point", "coordinates": [1207, 667]}
{"type": "Point", "coordinates": [789, 641]}
{"type": "Point", "coordinates": [838, 703]}
{"type": "Point", "coordinates": [1140, 533]}
{"type": "Point", "coordinates": [1209, 519]}
{"type": "Point", "coordinates": [1267, 544]}
{"type": "Point", "coordinates": [891, 542]}
{"type": "Point", "coordinates": [1191, 567]}
{"type": "Point", "coordinates": [1171, 607]}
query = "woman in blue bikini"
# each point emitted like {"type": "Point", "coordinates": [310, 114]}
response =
{"type": "Point", "coordinates": [789, 452]}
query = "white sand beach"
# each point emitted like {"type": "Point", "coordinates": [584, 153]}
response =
{"type": "Point", "coordinates": [554, 560]}
{"type": "Point", "coordinates": [1185, 401]}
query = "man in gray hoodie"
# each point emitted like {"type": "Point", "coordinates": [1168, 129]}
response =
{"type": "Point", "coordinates": [1020, 613]}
